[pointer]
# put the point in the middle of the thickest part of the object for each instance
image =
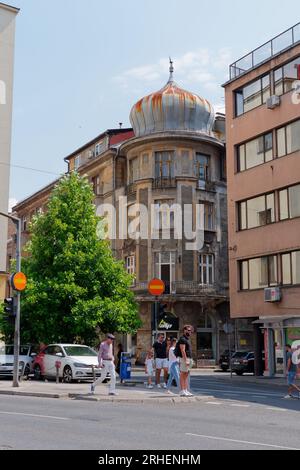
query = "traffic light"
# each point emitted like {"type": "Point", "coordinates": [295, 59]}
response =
{"type": "Point", "coordinates": [10, 308]}
{"type": "Point", "coordinates": [162, 310]}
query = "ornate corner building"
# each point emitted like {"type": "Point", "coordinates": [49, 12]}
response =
{"type": "Point", "coordinates": [174, 154]}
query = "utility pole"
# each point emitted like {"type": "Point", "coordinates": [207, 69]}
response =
{"type": "Point", "coordinates": [17, 222]}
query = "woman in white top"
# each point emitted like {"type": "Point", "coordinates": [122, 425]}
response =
{"type": "Point", "coordinates": [173, 366]}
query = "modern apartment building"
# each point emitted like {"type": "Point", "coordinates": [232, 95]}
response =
{"type": "Point", "coordinates": [263, 178]}
{"type": "Point", "coordinates": [7, 39]}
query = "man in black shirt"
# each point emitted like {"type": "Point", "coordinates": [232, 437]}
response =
{"type": "Point", "coordinates": [161, 361]}
{"type": "Point", "coordinates": [185, 360]}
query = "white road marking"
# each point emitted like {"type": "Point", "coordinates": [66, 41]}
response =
{"type": "Point", "coordinates": [33, 415]}
{"type": "Point", "coordinates": [213, 403]}
{"type": "Point", "coordinates": [240, 405]}
{"type": "Point", "coordinates": [276, 409]}
{"type": "Point", "coordinates": [261, 395]}
{"type": "Point", "coordinates": [215, 438]}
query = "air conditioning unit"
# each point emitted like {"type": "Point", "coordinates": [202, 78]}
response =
{"type": "Point", "coordinates": [273, 102]}
{"type": "Point", "coordinates": [91, 154]}
{"type": "Point", "coordinates": [273, 294]}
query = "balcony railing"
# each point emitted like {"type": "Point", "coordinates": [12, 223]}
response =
{"type": "Point", "coordinates": [164, 183]}
{"type": "Point", "coordinates": [131, 188]}
{"type": "Point", "coordinates": [279, 43]}
{"type": "Point", "coordinates": [182, 288]}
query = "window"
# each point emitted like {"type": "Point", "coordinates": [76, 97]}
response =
{"type": "Point", "coordinates": [24, 223]}
{"type": "Point", "coordinates": [209, 215]}
{"type": "Point", "coordinates": [202, 167]}
{"type": "Point", "coordinates": [252, 95]}
{"type": "Point", "coordinates": [285, 76]}
{"type": "Point", "coordinates": [165, 269]}
{"type": "Point", "coordinates": [164, 165]}
{"type": "Point", "coordinates": [130, 264]}
{"type": "Point", "coordinates": [255, 152]}
{"type": "Point", "coordinates": [257, 212]}
{"type": "Point", "coordinates": [133, 170]}
{"type": "Point", "coordinates": [100, 147]}
{"type": "Point", "coordinates": [77, 162]}
{"type": "Point", "coordinates": [290, 263]}
{"type": "Point", "coordinates": [288, 139]}
{"type": "Point", "coordinates": [259, 273]}
{"type": "Point", "coordinates": [289, 202]}
{"type": "Point", "coordinates": [96, 185]}
{"type": "Point", "coordinates": [164, 216]}
{"type": "Point", "coordinates": [206, 269]}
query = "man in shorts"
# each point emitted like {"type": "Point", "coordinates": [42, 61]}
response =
{"type": "Point", "coordinates": [161, 359]}
{"type": "Point", "coordinates": [291, 369]}
{"type": "Point", "coordinates": [185, 360]}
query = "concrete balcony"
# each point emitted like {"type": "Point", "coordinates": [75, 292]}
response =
{"type": "Point", "coordinates": [183, 289]}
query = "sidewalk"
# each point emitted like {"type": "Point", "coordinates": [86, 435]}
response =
{"type": "Point", "coordinates": [129, 393]}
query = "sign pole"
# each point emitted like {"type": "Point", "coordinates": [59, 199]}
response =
{"type": "Point", "coordinates": [18, 312]}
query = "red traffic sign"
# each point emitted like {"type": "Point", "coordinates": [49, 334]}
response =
{"type": "Point", "coordinates": [18, 281]}
{"type": "Point", "coordinates": [156, 287]}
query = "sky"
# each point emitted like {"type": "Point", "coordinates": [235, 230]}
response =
{"type": "Point", "coordinates": [80, 65]}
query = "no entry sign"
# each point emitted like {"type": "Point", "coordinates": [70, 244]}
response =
{"type": "Point", "coordinates": [156, 287]}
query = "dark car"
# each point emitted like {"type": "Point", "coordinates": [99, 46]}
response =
{"type": "Point", "coordinates": [243, 362]}
{"type": "Point", "coordinates": [224, 360]}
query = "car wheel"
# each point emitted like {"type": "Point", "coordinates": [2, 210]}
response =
{"type": "Point", "coordinates": [67, 375]}
{"type": "Point", "coordinates": [37, 373]}
{"type": "Point", "coordinates": [239, 372]}
{"type": "Point", "coordinates": [27, 371]}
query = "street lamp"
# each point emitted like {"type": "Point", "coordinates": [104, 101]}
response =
{"type": "Point", "coordinates": [17, 222]}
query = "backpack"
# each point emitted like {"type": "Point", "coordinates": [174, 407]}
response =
{"type": "Point", "coordinates": [177, 351]}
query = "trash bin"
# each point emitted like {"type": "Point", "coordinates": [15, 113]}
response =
{"type": "Point", "coordinates": [125, 366]}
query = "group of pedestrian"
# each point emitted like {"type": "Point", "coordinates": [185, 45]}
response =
{"type": "Point", "coordinates": [174, 358]}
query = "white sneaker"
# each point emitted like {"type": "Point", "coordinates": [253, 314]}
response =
{"type": "Point", "coordinates": [189, 394]}
{"type": "Point", "coordinates": [164, 385]}
{"type": "Point", "coordinates": [183, 394]}
{"type": "Point", "coordinates": [158, 386]}
{"type": "Point", "coordinates": [287, 397]}
{"type": "Point", "coordinates": [149, 386]}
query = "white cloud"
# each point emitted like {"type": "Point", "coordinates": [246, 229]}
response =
{"type": "Point", "coordinates": [11, 203]}
{"type": "Point", "coordinates": [202, 67]}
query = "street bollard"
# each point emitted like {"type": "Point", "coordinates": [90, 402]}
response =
{"type": "Point", "coordinates": [57, 367]}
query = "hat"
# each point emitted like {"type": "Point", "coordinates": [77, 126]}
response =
{"type": "Point", "coordinates": [110, 336]}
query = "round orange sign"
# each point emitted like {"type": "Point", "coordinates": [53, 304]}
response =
{"type": "Point", "coordinates": [19, 281]}
{"type": "Point", "coordinates": [156, 287]}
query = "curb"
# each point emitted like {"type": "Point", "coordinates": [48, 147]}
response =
{"type": "Point", "coordinates": [147, 400]}
{"type": "Point", "coordinates": [34, 394]}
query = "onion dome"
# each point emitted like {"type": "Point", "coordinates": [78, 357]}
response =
{"type": "Point", "coordinates": [172, 109]}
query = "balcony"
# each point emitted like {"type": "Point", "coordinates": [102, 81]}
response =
{"type": "Point", "coordinates": [278, 44]}
{"type": "Point", "coordinates": [182, 288]}
{"type": "Point", "coordinates": [164, 183]}
{"type": "Point", "coordinates": [131, 189]}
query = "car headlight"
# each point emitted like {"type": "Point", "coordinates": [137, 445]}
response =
{"type": "Point", "coordinates": [79, 364]}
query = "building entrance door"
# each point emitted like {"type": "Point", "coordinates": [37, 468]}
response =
{"type": "Point", "coordinates": [206, 338]}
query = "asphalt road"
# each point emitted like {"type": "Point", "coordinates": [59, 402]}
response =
{"type": "Point", "coordinates": [239, 416]}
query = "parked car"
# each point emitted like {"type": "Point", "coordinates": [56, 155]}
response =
{"type": "Point", "coordinates": [26, 358]}
{"type": "Point", "coordinates": [224, 360]}
{"type": "Point", "coordinates": [242, 361]}
{"type": "Point", "coordinates": [75, 360]}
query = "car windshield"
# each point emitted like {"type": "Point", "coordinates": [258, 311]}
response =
{"type": "Point", "coordinates": [9, 350]}
{"type": "Point", "coordinates": [240, 354]}
{"type": "Point", "coordinates": [79, 351]}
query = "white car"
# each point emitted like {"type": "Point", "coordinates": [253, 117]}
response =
{"type": "Point", "coordinates": [75, 362]}
{"type": "Point", "coordinates": [26, 359]}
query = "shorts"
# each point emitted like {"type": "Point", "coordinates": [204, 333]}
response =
{"type": "Point", "coordinates": [161, 363]}
{"type": "Point", "coordinates": [184, 367]}
{"type": "Point", "coordinates": [149, 373]}
{"type": "Point", "coordinates": [291, 378]}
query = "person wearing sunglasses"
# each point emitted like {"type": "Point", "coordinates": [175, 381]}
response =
{"type": "Point", "coordinates": [185, 360]}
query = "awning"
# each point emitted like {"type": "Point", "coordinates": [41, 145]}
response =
{"type": "Point", "coordinates": [280, 321]}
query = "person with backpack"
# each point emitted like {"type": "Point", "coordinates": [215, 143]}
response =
{"type": "Point", "coordinates": [173, 366]}
{"type": "Point", "coordinates": [183, 350]}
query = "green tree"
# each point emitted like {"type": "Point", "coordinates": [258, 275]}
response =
{"type": "Point", "coordinates": [76, 287]}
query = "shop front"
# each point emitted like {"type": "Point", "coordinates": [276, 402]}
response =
{"type": "Point", "coordinates": [278, 332]}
